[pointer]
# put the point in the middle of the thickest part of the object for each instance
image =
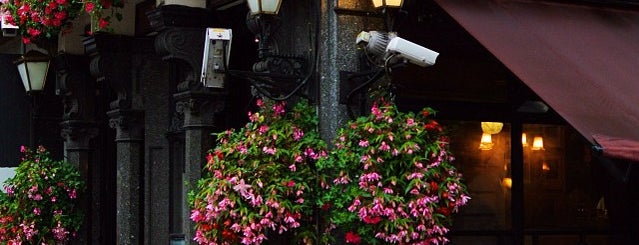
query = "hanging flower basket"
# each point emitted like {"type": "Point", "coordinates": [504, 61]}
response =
{"type": "Point", "coordinates": [40, 19]}
{"type": "Point", "coordinates": [260, 181]}
{"type": "Point", "coordinates": [41, 204]}
{"type": "Point", "coordinates": [390, 180]}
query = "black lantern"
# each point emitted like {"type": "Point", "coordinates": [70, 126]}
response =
{"type": "Point", "coordinates": [33, 67]}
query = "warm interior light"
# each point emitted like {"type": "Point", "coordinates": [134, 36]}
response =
{"type": "Point", "coordinates": [507, 182]}
{"type": "Point", "coordinates": [491, 127]}
{"type": "Point", "coordinates": [33, 67]}
{"type": "Point", "coordinates": [538, 143]}
{"type": "Point", "coordinates": [264, 6]}
{"type": "Point", "coordinates": [486, 142]}
{"type": "Point", "coordinates": [545, 167]}
{"type": "Point", "coordinates": [524, 141]}
{"type": "Point", "coordinates": [387, 3]}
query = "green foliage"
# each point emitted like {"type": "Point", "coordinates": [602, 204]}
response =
{"type": "Point", "coordinates": [260, 180]}
{"type": "Point", "coordinates": [41, 204]}
{"type": "Point", "coordinates": [390, 180]}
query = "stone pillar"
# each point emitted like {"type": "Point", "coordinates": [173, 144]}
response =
{"type": "Point", "coordinates": [338, 53]}
{"type": "Point", "coordinates": [180, 40]}
{"type": "Point", "coordinates": [77, 89]}
{"type": "Point", "coordinates": [199, 109]}
{"type": "Point", "coordinates": [129, 139]}
{"type": "Point", "coordinates": [77, 151]}
{"type": "Point", "coordinates": [113, 62]}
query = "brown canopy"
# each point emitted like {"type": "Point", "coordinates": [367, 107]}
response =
{"type": "Point", "coordinates": [583, 61]}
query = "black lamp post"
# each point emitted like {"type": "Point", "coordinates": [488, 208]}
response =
{"type": "Point", "coordinates": [33, 67]}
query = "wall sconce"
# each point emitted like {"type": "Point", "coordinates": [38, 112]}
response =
{"type": "Point", "coordinates": [507, 182]}
{"type": "Point", "coordinates": [486, 142]}
{"type": "Point", "coordinates": [33, 67]}
{"type": "Point", "coordinates": [538, 143]}
{"type": "Point", "coordinates": [491, 127]}
{"type": "Point", "coordinates": [545, 167]}
{"type": "Point", "coordinates": [524, 140]}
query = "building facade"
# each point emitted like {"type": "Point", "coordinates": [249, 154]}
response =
{"type": "Point", "coordinates": [129, 109]}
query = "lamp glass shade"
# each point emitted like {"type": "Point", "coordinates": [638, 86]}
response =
{"type": "Point", "coordinates": [388, 3]}
{"type": "Point", "coordinates": [524, 140]}
{"type": "Point", "coordinates": [538, 143]}
{"type": "Point", "coordinates": [491, 127]}
{"type": "Point", "coordinates": [486, 142]}
{"type": "Point", "coordinates": [33, 71]}
{"type": "Point", "coordinates": [264, 6]}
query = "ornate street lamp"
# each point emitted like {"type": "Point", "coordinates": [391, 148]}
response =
{"type": "Point", "coordinates": [263, 21]}
{"type": "Point", "coordinates": [33, 67]}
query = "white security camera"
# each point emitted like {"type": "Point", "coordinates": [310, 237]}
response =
{"type": "Point", "coordinates": [8, 30]}
{"type": "Point", "coordinates": [414, 53]}
{"type": "Point", "coordinates": [384, 45]}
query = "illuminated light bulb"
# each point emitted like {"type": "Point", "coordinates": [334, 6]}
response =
{"type": "Point", "coordinates": [486, 142]}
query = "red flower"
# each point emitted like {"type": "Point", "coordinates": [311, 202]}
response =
{"type": "Point", "coordinates": [326, 206]}
{"type": "Point", "coordinates": [444, 210]}
{"type": "Point", "coordinates": [33, 32]}
{"type": "Point", "coordinates": [62, 15]}
{"type": "Point", "coordinates": [56, 22]}
{"type": "Point", "coordinates": [432, 125]}
{"type": "Point", "coordinates": [61, 2]}
{"type": "Point", "coordinates": [89, 7]}
{"type": "Point", "coordinates": [372, 220]}
{"type": "Point", "coordinates": [352, 238]}
{"type": "Point", "coordinates": [103, 23]}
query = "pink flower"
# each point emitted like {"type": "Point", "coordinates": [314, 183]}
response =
{"type": "Point", "coordinates": [363, 143]}
{"type": "Point", "coordinates": [73, 194]}
{"type": "Point", "coordinates": [292, 167]}
{"type": "Point", "coordinates": [36, 211]}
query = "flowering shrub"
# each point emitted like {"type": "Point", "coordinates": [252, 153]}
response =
{"type": "Point", "coordinates": [390, 180]}
{"type": "Point", "coordinates": [46, 18]}
{"type": "Point", "coordinates": [41, 203]}
{"type": "Point", "coordinates": [260, 180]}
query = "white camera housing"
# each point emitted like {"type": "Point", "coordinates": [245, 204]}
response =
{"type": "Point", "coordinates": [215, 60]}
{"type": "Point", "coordinates": [412, 52]}
{"type": "Point", "coordinates": [8, 30]}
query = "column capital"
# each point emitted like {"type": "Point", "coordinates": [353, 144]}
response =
{"type": "Point", "coordinates": [77, 134]}
{"type": "Point", "coordinates": [129, 124]}
{"type": "Point", "coordinates": [199, 108]}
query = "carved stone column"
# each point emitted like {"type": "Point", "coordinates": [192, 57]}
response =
{"type": "Point", "coordinates": [129, 139]}
{"type": "Point", "coordinates": [199, 110]}
{"type": "Point", "coordinates": [77, 89]}
{"type": "Point", "coordinates": [113, 63]}
{"type": "Point", "coordinates": [180, 40]}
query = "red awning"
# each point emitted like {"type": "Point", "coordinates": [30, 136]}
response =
{"type": "Point", "coordinates": [583, 61]}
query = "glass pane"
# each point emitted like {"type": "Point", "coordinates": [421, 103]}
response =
{"type": "Point", "coordinates": [486, 218]}
{"type": "Point", "coordinates": [564, 197]}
